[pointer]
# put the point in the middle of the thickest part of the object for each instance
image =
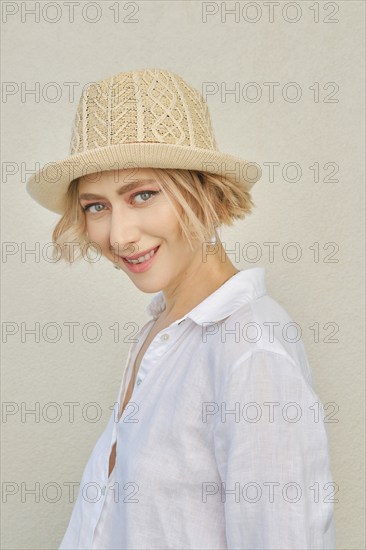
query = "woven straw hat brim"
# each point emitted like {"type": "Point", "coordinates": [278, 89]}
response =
{"type": "Point", "coordinates": [48, 186]}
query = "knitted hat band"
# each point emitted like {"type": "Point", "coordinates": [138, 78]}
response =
{"type": "Point", "coordinates": [150, 118]}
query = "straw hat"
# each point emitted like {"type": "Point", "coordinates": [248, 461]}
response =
{"type": "Point", "coordinates": [148, 118]}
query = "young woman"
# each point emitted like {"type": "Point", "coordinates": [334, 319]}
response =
{"type": "Point", "coordinates": [217, 439]}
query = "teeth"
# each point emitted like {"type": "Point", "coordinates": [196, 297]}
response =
{"type": "Point", "coordinates": [142, 258]}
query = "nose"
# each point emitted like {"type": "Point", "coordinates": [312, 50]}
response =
{"type": "Point", "coordinates": [124, 232]}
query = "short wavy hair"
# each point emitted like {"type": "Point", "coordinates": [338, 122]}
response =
{"type": "Point", "coordinates": [207, 202]}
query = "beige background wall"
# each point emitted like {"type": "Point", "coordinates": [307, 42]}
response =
{"type": "Point", "coordinates": [325, 291]}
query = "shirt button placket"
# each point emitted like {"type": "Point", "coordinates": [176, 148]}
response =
{"type": "Point", "coordinates": [163, 337]}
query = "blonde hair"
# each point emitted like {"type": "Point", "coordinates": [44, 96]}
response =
{"type": "Point", "coordinates": [205, 199]}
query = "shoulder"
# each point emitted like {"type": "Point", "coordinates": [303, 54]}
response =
{"type": "Point", "coordinates": [263, 330]}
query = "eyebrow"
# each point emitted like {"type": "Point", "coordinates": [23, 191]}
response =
{"type": "Point", "coordinates": [121, 191]}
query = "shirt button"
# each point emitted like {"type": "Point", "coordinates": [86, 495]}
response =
{"type": "Point", "coordinates": [165, 336]}
{"type": "Point", "coordinates": [103, 489]}
{"type": "Point", "coordinates": [138, 381]}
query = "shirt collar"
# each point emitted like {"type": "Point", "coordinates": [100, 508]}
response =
{"type": "Point", "coordinates": [241, 288]}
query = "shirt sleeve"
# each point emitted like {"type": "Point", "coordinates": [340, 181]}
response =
{"type": "Point", "coordinates": [272, 453]}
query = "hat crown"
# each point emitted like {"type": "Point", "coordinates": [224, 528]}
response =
{"type": "Point", "coordinates": [146, 106]}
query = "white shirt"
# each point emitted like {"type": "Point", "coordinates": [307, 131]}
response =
{"type": "Point", "coordinates": [223, 444]}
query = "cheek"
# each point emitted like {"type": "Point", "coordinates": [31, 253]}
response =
{"type": "Point", "coordinates": [98, 233]}
{"type": "Point", "coordinates": [166, 220]}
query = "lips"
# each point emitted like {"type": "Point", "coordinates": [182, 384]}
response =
{"type": "Point", "coordinates": [137, 256]}
{"type": "Point", "coordinates": [141, 267]}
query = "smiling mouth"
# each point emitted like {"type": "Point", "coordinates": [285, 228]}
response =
{"type": "Point", "coordinates": [142, 259]}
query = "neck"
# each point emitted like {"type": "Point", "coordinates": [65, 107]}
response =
{"type": "Point", "coordinates": [196, 283]}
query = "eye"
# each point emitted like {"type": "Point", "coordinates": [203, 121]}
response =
{"type": "Point", "coordinates": [89, 206]}
{"type": "Point", "coordinates": [146, 193]}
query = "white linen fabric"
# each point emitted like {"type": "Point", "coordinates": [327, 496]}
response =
{"type": "Point", "coordinates": [223, 444]}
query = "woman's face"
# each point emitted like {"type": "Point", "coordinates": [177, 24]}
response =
{"type": "Point", "coordinates": [126, 214]}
